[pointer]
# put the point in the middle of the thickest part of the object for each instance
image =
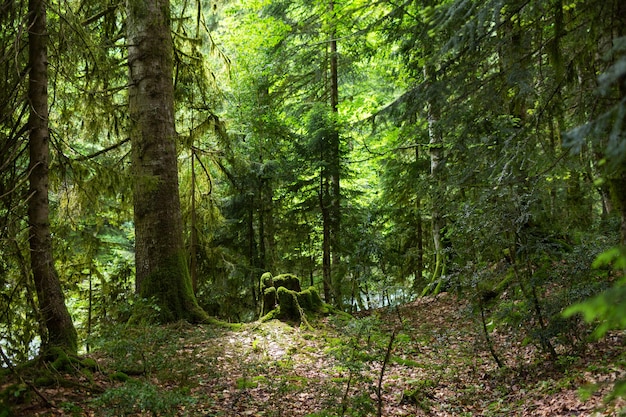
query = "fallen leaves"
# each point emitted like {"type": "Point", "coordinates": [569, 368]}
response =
{"type": "Point", "coordinates": [273, 369]}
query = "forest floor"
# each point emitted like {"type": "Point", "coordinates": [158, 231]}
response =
{"type": "Point", "coordinates": [427, 358]}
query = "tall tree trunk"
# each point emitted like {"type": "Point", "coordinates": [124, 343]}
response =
{"type": "Point", "coordinates": [326, 233]}
{"type": "Point", "coordinates": [419, 235]}
{"type": "Point", "coordinates": [161, 266]}
{"type": "Point", "coordinates": [267, 239]}
{"type": "Point", "coordinates": [335, 165]}
{"type": "Point", "coordinates": [193, 245]}
{"type": "Point", "coordinates": [618, 185]}
{"type": "Point", "coordinates": [436, 153]}
{"type": "Point", "coordinates": [58, 323]}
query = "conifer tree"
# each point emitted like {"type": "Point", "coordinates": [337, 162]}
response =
{"type": "Point", "coordinates": [58, 323]}
{"type": "Point", "coordinates": [161, 263]}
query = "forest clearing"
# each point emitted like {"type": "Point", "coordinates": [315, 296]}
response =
{"type": "Point", "coordinates": [438, 365]}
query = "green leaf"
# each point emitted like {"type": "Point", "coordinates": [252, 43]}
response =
{"type": "Point", "coordinates": [613, 256]}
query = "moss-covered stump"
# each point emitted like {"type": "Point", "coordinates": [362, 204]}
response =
{"type": "Point", "coordinates": [284, 299]}
{"type": "Point", "coordinates": [268, 293]}
{"type": "Point", "coordinates": [289, 281]}
{"type": "Point", "coordinates": [269, 300]}
{"type": "Point", "coordinates": [310, 300]}
{"type": "Point", "coordinates": [267, 280]}
{"type": "Point", "coordinates": [288, 303]}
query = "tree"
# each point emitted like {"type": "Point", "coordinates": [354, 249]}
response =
{"type": "Point", "coordinates": [58, 323]}
{"type": "Point", "coordinates": [161, 266]}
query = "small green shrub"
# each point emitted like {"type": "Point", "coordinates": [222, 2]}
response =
{"type": "Point", "coordinates": [140, 397]}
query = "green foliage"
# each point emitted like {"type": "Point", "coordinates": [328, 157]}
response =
{"type": "Point", "coordinates": [135, 348]}
{"type": "Point", "coordinates": [607, 309]}
{"type": "Point", "coordinates": [139, 397]}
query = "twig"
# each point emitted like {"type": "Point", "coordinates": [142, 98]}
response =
{"type": "Point", "coordinates": [344, 400]}
{"type": "Point", "coordinates": [379, 391]}
{"type": "Point", "coordinates": [102, 151]}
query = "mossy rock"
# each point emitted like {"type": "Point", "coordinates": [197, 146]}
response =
{"type": "Point", "coordinates": [289, 281]}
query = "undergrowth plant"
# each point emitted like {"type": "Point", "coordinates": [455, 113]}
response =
{"type": "Point", "coordinates": [142, 397]}
{"type": "Point", "coordinates": [362, 342]}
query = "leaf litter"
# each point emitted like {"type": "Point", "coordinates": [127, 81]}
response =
{"type": "Point", "coordinates": [438, 366]}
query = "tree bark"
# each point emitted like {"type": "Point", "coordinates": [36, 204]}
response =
{"type": "Point", "coordinates": [435, 147]}
{"type": "Point", "coordinates": [335, 166]}
{"type": "Point", "coordinates": [419, 235]}
{"type": "Point", "coordinates": [58, 323]}
{"type": "Point", "coordinates": [619, 184]}
{"type": "Point", "coordinates": [161, 265]}
{"type": "Point", "coordinates": [326, 239]}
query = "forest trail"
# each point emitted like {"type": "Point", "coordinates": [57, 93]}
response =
{"type": "Point", "coordinates": [438, 365]}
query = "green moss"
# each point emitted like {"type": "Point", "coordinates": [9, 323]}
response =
{"type": "Point", "coordinates": [310, 300]}
{"type": "Point", "coordinates": [169, 285]}
{"type": "Point", "coordinates": [254, 382]}
{"type": "Point", "coordinates": [59, 359]}
{"type": "Point", "coordinates": [304, 298]}
{"type": "Point", "coordinates": [316, 299]}
{"type": "Point", "coordinates": [289, 307]}
{"type": "Point", "coordinates": [224, 324]}
{"type": "Point", "coordinates": [266, 281]}
{"type": "Point", "coordinates": [44, 381]}
{"type": "Point", "coordinates": [89, 363]}
{"type": "Point", "coordinates": [272, 315]}
{"type": "Point", "coordinates": [289, 281]}
{"type": "Point", "coordinates": [119, 376]}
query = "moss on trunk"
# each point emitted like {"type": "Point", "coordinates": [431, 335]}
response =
{"type": "Point", "coordinates": [170, 286]}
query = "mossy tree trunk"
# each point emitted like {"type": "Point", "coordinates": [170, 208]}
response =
{"type": "Point", "coordinates": [58, 323]}
{"type": "Point", "coordinates": [161, 266]}
{"type": "Point", "coordinates": [435, 146]}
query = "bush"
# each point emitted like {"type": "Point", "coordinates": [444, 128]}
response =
{"type": "Point", "coordinates": [139, 397]}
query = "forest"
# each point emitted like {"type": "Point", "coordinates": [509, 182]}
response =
{"type": "Point", "coordinates": [312, 208]}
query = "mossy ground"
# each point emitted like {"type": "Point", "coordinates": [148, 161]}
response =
{"type": "Point", "coordinates": [438, 366]}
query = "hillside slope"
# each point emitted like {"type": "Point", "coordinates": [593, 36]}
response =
{"type": "Point", "coordinates": [427, 358]}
